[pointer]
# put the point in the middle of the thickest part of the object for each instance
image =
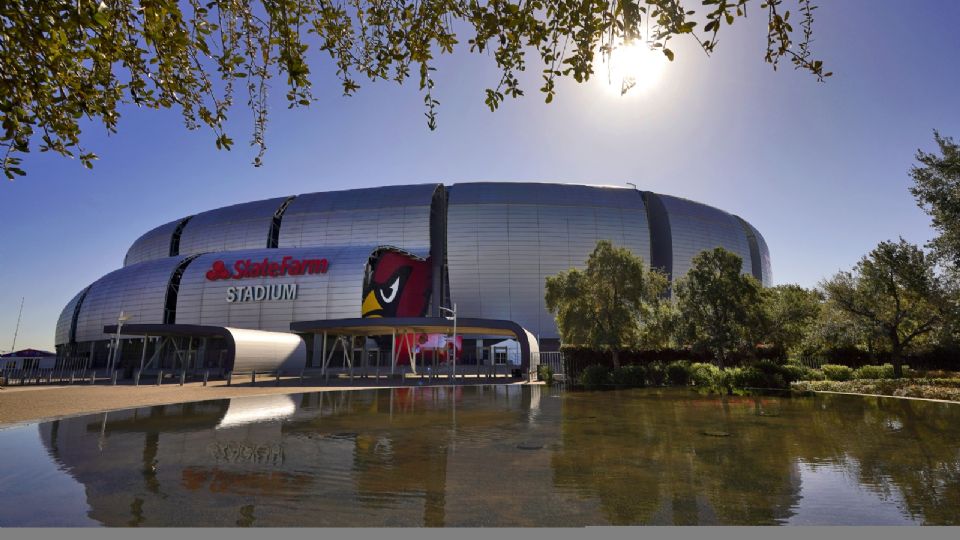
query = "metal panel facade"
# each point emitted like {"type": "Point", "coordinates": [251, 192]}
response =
{"type": "Point", "coordinates": [501, 242]}
{"type": "Point", "coordinates": [241, 226]}
{"type": "Point", "coordinates": [504, 239]}
{"type": "Point", "coordinates": [697, 227]}
{"type": "Point", "coordinates": [154, 244]}
{"type": "Point", "coordinates": [393, 215]}
{"type": "Point", "coordinates": [335, 294]}
{"type": "Point", "coordinates": [138, 290]}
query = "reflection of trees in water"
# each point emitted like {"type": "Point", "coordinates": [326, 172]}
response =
{"type": "Point", "coordinates": [897, 446]}
{"type": "Point", "coordinates": [650, 461]}
{"type": "Point", "coordinates": [399, 458]}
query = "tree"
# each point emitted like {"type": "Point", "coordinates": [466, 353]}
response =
{"type": "Point", "coordinates": [719, 306]}
{"type": "Point", "coordinates": [63, 61]}
{"type": "Point", "coordinates": [836, 332]}
{"type": "Point", "coordinates": [894, 290]}
{"type": "Point", "coordinates": [658, 315]}
{"type": "Point", "coordinates": [937, 190]}
{"type": "Point", "coordinates": [602, 306]}
{"type": "Point", "coordinates": [790, 312]}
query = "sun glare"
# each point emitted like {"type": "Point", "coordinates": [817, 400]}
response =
{"type": "Point", "coordinates": [632, 69]}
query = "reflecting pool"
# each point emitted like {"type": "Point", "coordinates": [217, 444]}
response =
{"type": "Point", "coordinates": [489, 456]}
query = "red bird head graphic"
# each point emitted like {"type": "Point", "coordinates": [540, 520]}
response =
{"type": "Point", "coordinates": [396, 284]}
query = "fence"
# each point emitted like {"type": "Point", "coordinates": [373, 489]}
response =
{"type": "Point", "coordinates": [59, 376]}
{"type": "Point", "coordinates": [554, 360]}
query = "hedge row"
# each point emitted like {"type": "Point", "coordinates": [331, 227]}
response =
{"type": "Point", "coordinates": [947, 389]}
{"type": "Point", "coordinates": [761, 374]}
{"type": "Point", "coordinates": [577, 359]}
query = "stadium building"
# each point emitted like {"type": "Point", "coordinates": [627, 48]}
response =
{"type": "Point", "coordinates": [314, 280]}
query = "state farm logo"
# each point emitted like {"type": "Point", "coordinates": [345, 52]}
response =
{"type": "Point", "coordinates": [219, 271]}
{"type": "Point", "coordinates": [246, 268]}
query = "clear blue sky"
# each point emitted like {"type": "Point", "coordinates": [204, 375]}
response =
{"type": "Point", "coordinates": [819, 169]}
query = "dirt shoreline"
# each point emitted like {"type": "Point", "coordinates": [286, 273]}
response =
{"type": "Point", "coordinates": [28, 404]}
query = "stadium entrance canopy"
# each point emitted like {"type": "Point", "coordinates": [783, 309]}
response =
{"type": "Point", "coordinates": [410, 326]}
{"type": "Point", "coordinates": [243, 349]}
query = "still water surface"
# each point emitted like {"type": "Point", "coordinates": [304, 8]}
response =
{"type": "Point", "coordinates": [489, 456]}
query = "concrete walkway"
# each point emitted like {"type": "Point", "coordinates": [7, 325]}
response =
{"type": "Point", "coordinates": [20, 404]}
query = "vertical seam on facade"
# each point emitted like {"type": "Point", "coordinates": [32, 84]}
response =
{"type": "Point", "coordinates": [173, 290]}
{"type": "Point", "coordinates": [756, 267]}
{"type": "Point", "coordinates": [661, 234]}
{"type": "Point", "coordinates": [273, 236]}
{"type": "Point", "coordinates": [72, 333]}
{"type": "Point", "coordinates": [175, 237]}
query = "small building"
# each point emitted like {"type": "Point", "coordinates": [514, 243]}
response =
{"type": "Point", "coordinates": [28, 359]}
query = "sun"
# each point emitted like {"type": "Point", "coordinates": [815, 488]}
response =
{"type": "Point", "coordinates": [632, 69]}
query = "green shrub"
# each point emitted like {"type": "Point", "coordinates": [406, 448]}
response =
{"type": "Point", "coordinates": [630, 376]}
{"type": "Point", "coordinates": [763, 374]}
{"type": "Point", "coordinates": [834, 372]}
{"type": "Point", "coordinates": [678, 373]}
{"type": "Point", "coordinates": [747, 377]}
{"type": "Point", "coordinates": [774, 374]}
{"type": "Point", "coordinates": [874, 372]}
{"type": "Point", "coordinates": [545, 373]}
{"type": "Point", "coordinates": [656, 374]}
{"type": "Point", "coordinates": [705, 375]}
{"type": "Point", "coordinates": [734, 377]}
{"type": "Point", "coordinates": [793, 372]}
{"type": "Point", "coordinates": [594, 377]}
{"type": "Point", "coordinates": [815, 375]}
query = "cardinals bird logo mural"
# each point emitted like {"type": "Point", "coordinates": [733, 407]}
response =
{"type": "Point", "coordinates": [396, 284]}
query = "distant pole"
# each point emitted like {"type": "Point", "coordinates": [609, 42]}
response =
{"type": "Point", "coordinates": [453, 317]}
{"type": "Point", "coordinates": [17, 330]}
{"type": "Point", "coordinates": [123, 317]}
{"type": "Point", "coordinates": [454, 353]}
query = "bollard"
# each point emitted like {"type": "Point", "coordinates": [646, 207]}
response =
{"type": "Point", "coordinates": [301, 378]}
{"type": "Point", "coordinates": [206, 375]}
{"type": "Point", "coordinates": [229, 378]}
{"type": "Point", "coordinates": [278, 378]}
{"type": "Point", "coordinates": [136, 378]}
{"type": "Point", "coordinates": [93, 376]}
{"type": "Point", "coordinates": [183, 377]}
{"type": "Point", "coordinates": [72, 374]}
{"type": "Point", "coordinates": [113, 378]}
{"type": "Point", "coordinates": [159, 377]}
{"type": "Point", "coordinates": [253, 377]}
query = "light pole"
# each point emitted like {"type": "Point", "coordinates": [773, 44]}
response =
{"type": "Point", "coordinates": [453, 317]}
{"type": "Point", "coordinates": [631, 184]}
{"type": "Point", "coordinates": [116, 343]}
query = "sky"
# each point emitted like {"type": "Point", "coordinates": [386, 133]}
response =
{"type": "Point", "coordinates": [821, 169]}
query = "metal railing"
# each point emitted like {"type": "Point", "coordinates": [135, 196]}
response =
{"type": "Point", "coordinates": [553, 359]}
{"type": "Point", "coordinates": [49, 376]}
